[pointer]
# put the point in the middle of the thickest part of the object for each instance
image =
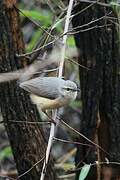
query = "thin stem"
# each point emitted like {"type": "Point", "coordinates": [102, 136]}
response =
{"type": "Point", "coordinates": [84, 137]}
{"type": "Point", "coordinates": [54, 113]}
{"type": "Point", "coordinates": [71, 142]}
{"type": "Point", "coordinates": [26, 172]}
{"type": "Point", "coordinates": [65, 38]}
{"type": "Point", "coordinates": [52, 132]}
{"type": "Point", "coordinates": [56, 38]}
{"type": "Point", "coordinates": [96, 2]}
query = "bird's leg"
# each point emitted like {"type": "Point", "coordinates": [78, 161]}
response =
{"type": "Point", "coordinates": [49, 117]}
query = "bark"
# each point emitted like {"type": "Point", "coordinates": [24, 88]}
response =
{"type": "Point", "coordinates": [100, 86]}
{"type": "Point", "coordinates": [27, 140]}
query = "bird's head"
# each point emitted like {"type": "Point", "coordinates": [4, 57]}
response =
{"type": "Point", "coordinates": [69, 90]}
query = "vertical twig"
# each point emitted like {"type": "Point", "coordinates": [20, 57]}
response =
{"type": "Point", "coordinates": [98, 150]}
{"type": "Point", "coordinates": [54, 113]}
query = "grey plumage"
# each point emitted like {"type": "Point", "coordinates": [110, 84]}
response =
{"type": "Point", "coordinates": [48, 87]}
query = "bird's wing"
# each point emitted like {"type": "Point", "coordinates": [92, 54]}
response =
{"type": "Point", "coordinates": [47, 87]}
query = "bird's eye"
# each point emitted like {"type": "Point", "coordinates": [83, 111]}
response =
{"type": "Point", "coordinates": [68, 89]}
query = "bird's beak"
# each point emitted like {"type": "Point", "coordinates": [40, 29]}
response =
{"type": "Point", "coordinates": [78, 89]}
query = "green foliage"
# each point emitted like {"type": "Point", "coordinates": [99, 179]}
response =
{"type": "Point", "coordinates": [84, 171]}
{"type": "Point", "coordinates": [34, 40]}
{"type": "Point", "coordinates": [116, 7]}
{"type": "Point", "coordinates": [43, 16]}
{"type": "Point", "coordinates": [71, 41]}
{"type": "Point", "coordinates": [6, 152]}
{"type": "Point", "coordinates": [58, 25]}
{"type": "Point", "coordinates": [114, 4]}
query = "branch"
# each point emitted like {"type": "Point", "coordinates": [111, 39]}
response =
{"type": "Point", "coordinates": [54, 113]}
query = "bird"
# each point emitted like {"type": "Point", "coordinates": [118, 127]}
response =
{"type": "Point", "coordinates": [50, 92]}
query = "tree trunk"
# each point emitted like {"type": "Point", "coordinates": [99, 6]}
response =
{"type": "Point", "coordinates": [27, 140]}
{"type": "Point", "coordinates": [98, 45]}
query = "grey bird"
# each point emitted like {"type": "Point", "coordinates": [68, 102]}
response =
{"type": "Point", "coordinates": [52, 92]}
